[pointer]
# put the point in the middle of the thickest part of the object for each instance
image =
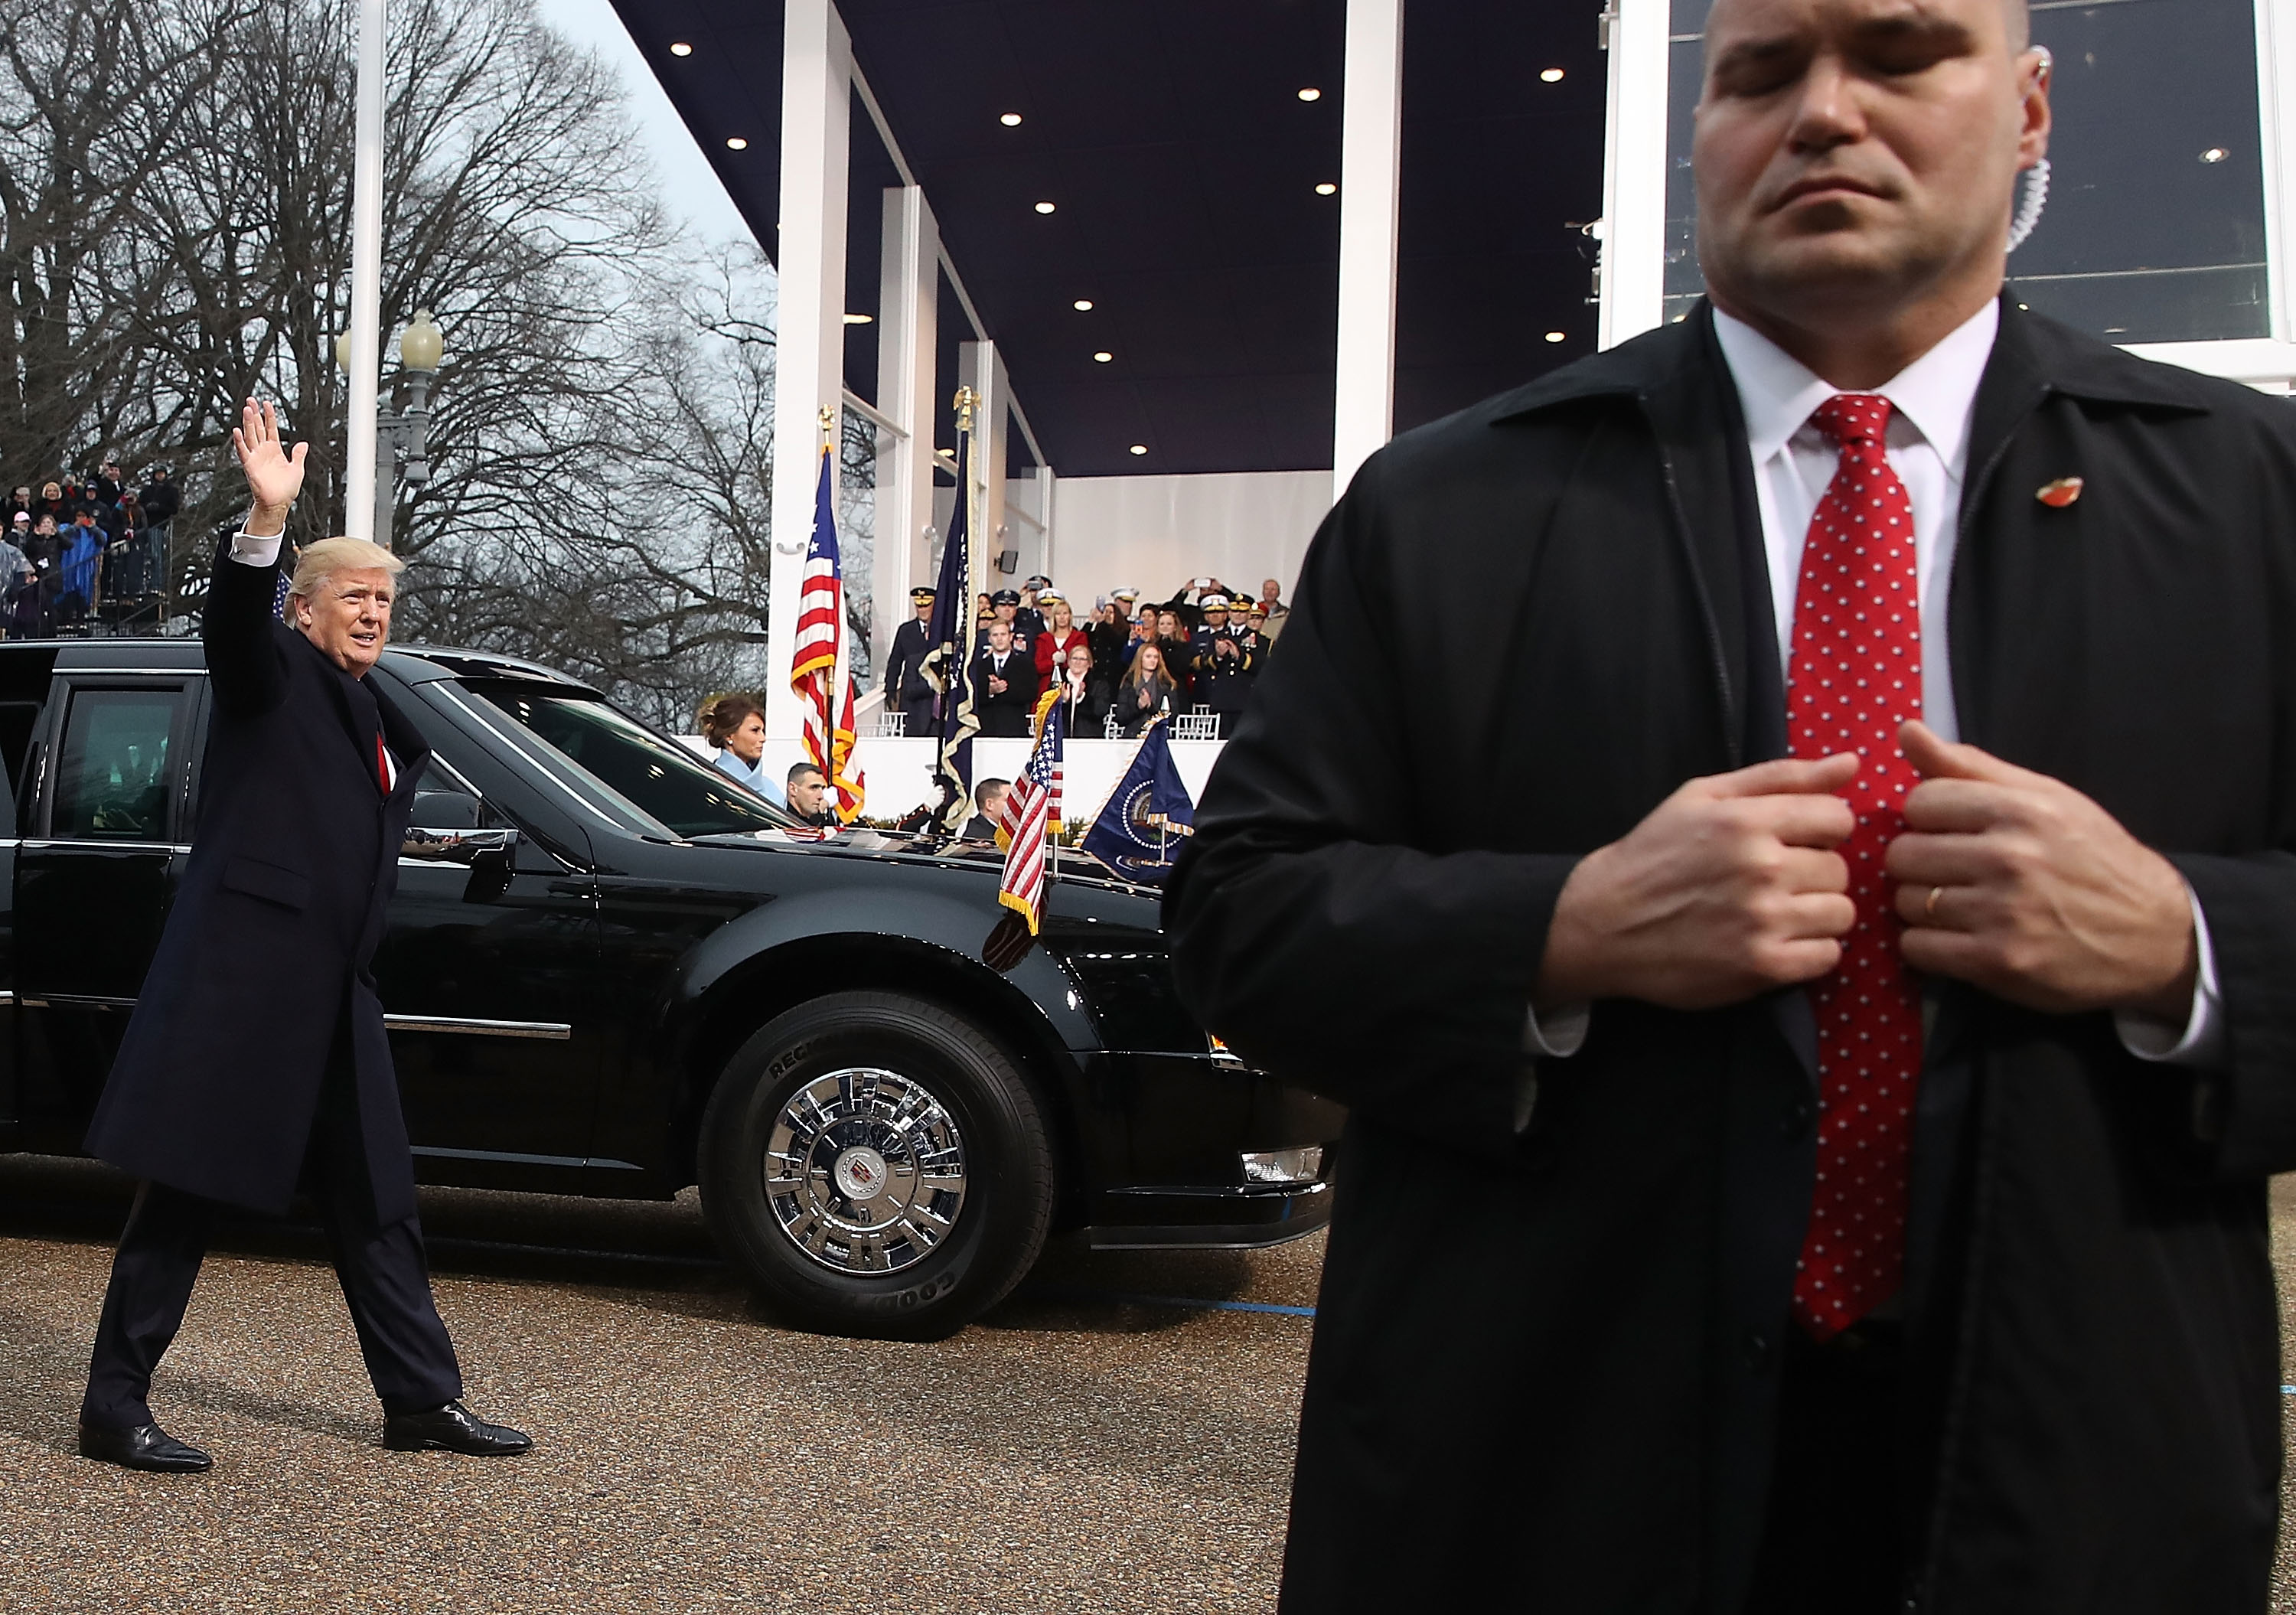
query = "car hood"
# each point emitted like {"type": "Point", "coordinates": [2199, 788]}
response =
{"type": "Point", "coordinates": [933, 847]}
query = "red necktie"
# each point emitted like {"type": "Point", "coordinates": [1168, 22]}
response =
{"type": "Point", "coordinates": [1854, 675]}
{"type": "Point", "coordinates": [382, 766]}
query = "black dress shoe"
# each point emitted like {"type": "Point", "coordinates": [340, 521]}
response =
{"type": "Point", "coordinates": [452, 1429]}
{"type": "Point", "coordinates": [145, 1447]}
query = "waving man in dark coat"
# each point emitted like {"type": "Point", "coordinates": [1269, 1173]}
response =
{"type": "Point", "coordinates": [256, 1061]}
{"type": "Point", "coordinates": [1813, 1095]}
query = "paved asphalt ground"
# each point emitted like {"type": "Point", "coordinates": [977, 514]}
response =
{"type": "Point", "coordinates": [1089, 1447]}
{"type": "Point", "coordinates": [1077, 1450]}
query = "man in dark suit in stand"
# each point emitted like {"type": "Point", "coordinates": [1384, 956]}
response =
{"type": "Point", "coordinates": [1812, 1104]}
{"type": "Point", "coordinates": [1004, 677]}
{"type": "Point", "coordinates": [256, 1061]}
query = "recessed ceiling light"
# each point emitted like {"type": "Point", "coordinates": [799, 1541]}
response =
{"type": "Point", "coordinates": [2214, 154]}
{"type": "Point", "coordinates": [678, 47]}
{"type": "Point", "coordinates": [860, 319]}
{"type": "Point", "coordinates": [1084, 305]}
{"type": "Point", "coordinates": [1311, 94]}
{"type": "Point", "coordinates": [734, 142]}
{"type": "Point", "coordinates": [1044, 206]}
{"type": "Point", "coordinates": [1553, 75]}
{"type": "Point", "coordinates": [1139, 448]}
{"type": "Point", "coordinates": [1327, 189]}
{"type": "Point", "coordinates": [1010, 120]}
{"type": "Point", "coordinates": [1551, 336]}
{"type": "Point", "coordinates": [1103, 356]}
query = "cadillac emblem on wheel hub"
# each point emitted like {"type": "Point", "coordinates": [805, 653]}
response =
{"type": "Point", "coordinates": [865, 1171]}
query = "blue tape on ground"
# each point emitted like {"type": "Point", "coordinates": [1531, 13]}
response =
{"type": "Point", "coordinates": [2288, 1391]}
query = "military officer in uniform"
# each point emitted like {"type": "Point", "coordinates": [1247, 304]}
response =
{"type": "Point", "coordinates": [906, 688]}
{"type": "Point", "coordinates": [1006, 605]}
{"type": "Point", "coordinates": [1226, 662]}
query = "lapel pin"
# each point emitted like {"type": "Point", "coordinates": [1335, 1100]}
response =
{"type": "Point", "coordinates": [2061, 493]}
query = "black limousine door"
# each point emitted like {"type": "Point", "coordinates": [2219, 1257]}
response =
{"type": "Point", "coordinates": [490, 982]}
{"type": "Point", "coordinates": [95, 872]}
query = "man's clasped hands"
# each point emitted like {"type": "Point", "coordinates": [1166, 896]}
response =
{"type": "Point", "coordinates": [2005, 878]}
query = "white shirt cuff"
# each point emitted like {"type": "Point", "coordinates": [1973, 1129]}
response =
{"type": "Point", "coordinates": [1562, 1034]}
{"type": "Point", "coordinates": [256, 551]}
{"type": "Point", "coordinates": [2199, 1041]}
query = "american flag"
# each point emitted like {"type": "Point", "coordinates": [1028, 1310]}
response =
{"type": "Point", "coordinates": [1033, 810]}
{"type": "Point", "coordinates": [821, 670]}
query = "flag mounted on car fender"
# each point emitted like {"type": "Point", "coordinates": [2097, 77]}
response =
{"type": "Point", "coordinates": [1139, 830]}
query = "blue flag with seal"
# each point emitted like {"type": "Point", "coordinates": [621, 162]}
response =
{"type": "Point", "coordinates": [1139, 830]}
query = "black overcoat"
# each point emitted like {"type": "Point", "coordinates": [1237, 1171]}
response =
{"type": "Point", "coordinates": [266, 949]}
{"type": "Point", "coordinates": [1545, 1369]}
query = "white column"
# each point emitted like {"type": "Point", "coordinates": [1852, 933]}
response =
{"type": "Point", "coordinates": [982, 369]}
{"type": "Point", "coordinates": [809, 373]}
{"type": "Point", "coordinates": [366, 282]}
{"type": "Point", "coordinates": [1371, 158]}
{"type": "Point", "coordinates": [908, 307]}
{"type": "Point", "coordinates": [1634, 173]}
{"type": "Point", "coordinates": [2276, 103]}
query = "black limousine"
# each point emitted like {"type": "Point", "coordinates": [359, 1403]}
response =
{"type": "Point", "coordinates": [612, 971]}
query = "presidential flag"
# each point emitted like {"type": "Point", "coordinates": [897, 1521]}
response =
{"type": "Point", "coordinates": [821, 670]}
{"type": "Point", "coordinates": [1139, 830]}
{"type": "Point", "coordinates": [948, 664]}
{"type": "Point", "coordinates": [1033, 810]}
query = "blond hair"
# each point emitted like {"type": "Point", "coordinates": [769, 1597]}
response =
{"type": "Point", "coordinates": [323, 559]}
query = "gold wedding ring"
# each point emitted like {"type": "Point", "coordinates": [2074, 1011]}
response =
{"type": "Point", "coordinates": [1929, 909]}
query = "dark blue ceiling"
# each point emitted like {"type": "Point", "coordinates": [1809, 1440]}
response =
{"type": "Point", "coordinates": [1182, 164]}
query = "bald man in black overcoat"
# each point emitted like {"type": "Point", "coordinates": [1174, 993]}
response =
{"type": "Point", "coordinates": [1816, 1069]}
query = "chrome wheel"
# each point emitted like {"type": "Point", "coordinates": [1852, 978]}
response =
{"type": "Point", "coordinates": [865, 1171]}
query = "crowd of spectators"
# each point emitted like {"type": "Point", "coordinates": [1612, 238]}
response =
{"type": "Point", "coordinates": [1117, 667]}
{"type": "Point", "coordinates": [83, 549]}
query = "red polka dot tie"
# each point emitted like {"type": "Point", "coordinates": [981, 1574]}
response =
{"type": "Point", "coordinates": [1854, 674]}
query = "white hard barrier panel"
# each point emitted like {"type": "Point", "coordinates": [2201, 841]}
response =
{"type": "Point", "coordinates": [899, 770]}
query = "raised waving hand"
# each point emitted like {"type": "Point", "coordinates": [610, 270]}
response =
{"type": "Point", "coordinates": [273, 475]}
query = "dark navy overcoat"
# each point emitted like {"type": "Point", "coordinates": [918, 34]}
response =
{"type": "Point", "coordinates": [266, 951]}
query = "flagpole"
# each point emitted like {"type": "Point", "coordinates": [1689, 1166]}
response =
{"type": "Point", "coordinates": [967, 401]}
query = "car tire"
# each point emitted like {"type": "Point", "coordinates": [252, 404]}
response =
{"type": "Point", "coordinates": [878, 1166]}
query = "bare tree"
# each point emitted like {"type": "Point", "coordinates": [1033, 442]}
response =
{"type": "Point", "coordinates": [600, 429]}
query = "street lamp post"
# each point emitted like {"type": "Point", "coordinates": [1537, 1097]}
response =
{"type": "Point", "coordinates": [420, 346]}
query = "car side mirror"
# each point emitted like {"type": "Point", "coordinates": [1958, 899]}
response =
{"type": "Point", "coordinates": [457, 844]}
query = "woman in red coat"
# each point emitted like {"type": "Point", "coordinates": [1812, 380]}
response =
{"type": "Point", "coordinates": [1052, 645]}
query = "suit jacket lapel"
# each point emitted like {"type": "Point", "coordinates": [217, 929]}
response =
{"type": "Point", "coordinates": [338, 685]}
{"type": "Point", "coordinates": [1682, 404]}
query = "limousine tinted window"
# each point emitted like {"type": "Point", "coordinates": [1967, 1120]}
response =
{"type": "Point", "coordinates": [667, 784]}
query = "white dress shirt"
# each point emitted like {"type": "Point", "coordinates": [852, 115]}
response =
{"type": "Point", "coordinates": [1934, 399]}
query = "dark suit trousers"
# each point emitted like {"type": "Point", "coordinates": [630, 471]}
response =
{"type": "Point", "coordinates": [1835, 1540]}
{"type": "Point", "coordinates": [382, 1271]}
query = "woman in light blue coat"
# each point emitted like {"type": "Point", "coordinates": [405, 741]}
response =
{"type": "Point", "coordinates": [736, 726]}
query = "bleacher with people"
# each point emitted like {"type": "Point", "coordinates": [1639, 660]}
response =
{"type": "Point", "coordinates": [1207, 646]}
{"type": "Point", "coordinates": [87, 553]}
